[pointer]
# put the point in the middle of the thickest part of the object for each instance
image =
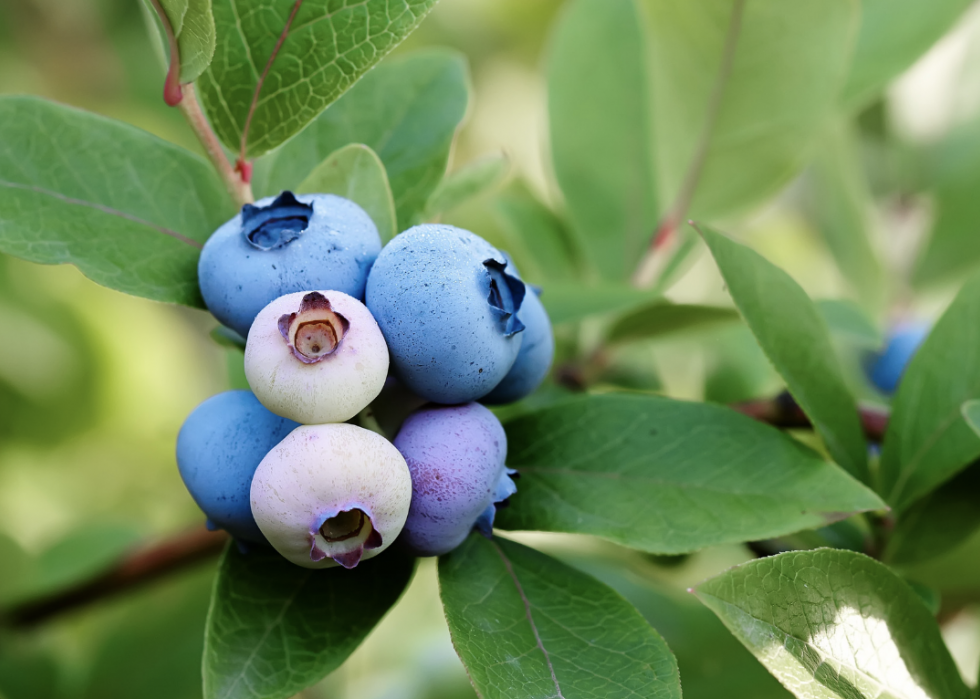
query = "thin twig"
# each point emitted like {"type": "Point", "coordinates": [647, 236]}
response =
{"type": "Point", "coordinates": [646, 272]}
{"type": "Point", "coordinates": [130, 572]}
{"type": "Point", "coordinates": [172, 94]}
{"type": "Point", "coordinates": [784, 413]}
{"type": "Point", "coordinates": [238, 188]}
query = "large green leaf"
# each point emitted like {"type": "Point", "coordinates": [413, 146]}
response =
{"type": "Point", "coordinates": [794, 336]}
{"type": "Point", "coordinates": [129, 210]}
{"type": "Point", "coordinates": [835, 625]}
{"type": "Point", "coordinates": [668, 476]}
{"type": "Point", "coordinates": [954, 246]}
{"type": "Point", "coordinates": [407, 111]}
{"type": "Point", "coordinates": [839, 206]}
{"type": "Point", "coordinates": [663, 318]}
{"type": "Point", "coordinates": [782, 83]}
{"type": "Point", "coordinates": [940, 521]}
{"type": "Point", "coordinates": [192, 23]}
{"type": "Point", "coordinates": [894, 33]}
{"type": "Point", "coordinates": [356, 173]}
{"type": "Point", "coordinates": [279, 63]}
{"type": "Point", "coordinates": [528, 626]}
{"type": "Point", "coordinates": [536, 236]}
{"type": "Point", "coordinates": [275, 628]}
{"type": "Point", "coordinates": [600, 141]}
{"type": "Point", "coordinates": [928, 440]}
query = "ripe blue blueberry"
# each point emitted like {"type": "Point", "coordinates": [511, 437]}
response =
{"type": "Point", "coordinates": [534, 359]}
{"type": "Point", "coordinates": [456, 456]}
{"type": "Point", "coordinates": [219, 447]}
{"type": "Point", "coordinates": [884, 369]}
{"type": "Point", "coordinates": [447, 305]}
{"type": "Point", "coordinates": [281, 245]}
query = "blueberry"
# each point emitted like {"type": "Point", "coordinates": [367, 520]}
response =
{"type": "Point", "coordinates": [456, 456]}
{"type": "Point", "coordinates": [447, 305]}
{"type": "Point", "coordinates": [331, 495]}
{"type": "Point", "coordinates": [218, 449]}
{"type": "Point", "coordinates": [281, 245]}
{"type": "Point", "coordinates": [534, 359]}
{"type": "Point", "coordinates": [316, 357]}
{"type": "Point", "coordinates": [884, 369]}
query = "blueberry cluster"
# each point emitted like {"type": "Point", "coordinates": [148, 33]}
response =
{"type": "Point", "coordinates": [424, 328]}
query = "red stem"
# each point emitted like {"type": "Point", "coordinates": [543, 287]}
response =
{"type": "Point", "coordinates": [243, 166]}
{"type": "Point", "coordinates": [172, 93]}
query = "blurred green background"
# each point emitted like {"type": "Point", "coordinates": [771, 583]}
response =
{"type": "Point", "coordinates": [95, 384]}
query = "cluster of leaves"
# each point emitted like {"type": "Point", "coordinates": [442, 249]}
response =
{"type": "Point", "coordinates": [706, 109]}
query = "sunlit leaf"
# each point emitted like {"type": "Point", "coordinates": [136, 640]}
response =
{"type": "Point", "coordinates": [835, 625]}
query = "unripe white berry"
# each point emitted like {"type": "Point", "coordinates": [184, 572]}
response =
{"type": "Point", "coordinates": [331, 494]}
{"type": "Point", "coordinates": [316, 357]}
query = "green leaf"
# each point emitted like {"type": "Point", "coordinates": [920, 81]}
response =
{"type": "Point", "coordinates": [846, 320]}
{"type": "Point", "coordinates": [601, 143]}
{"type": "Point", "coordinates": [953, 247]}
{"type": "Point", "coordinates": [937, 523]}
{"type": "Point", "coordinates": [839, 205]}
{"type": "Point", "coordinates": [712, 662]}
{"type": "Point", "coordinates": [893, 34]}
{"type": "Point", "coordinates": [971, 413]}
{"type": "Point", "coordinates": [192, 22]}
{"type": "Point", "coordinates": [835, 625]}
{"type": "Point", "coordinates": [663, 318]}
{"type": "Point", "coordinates": [469, 182]}
{"type": "Point", "coordinates": [528, 626]}
{"type": "Point", "coordinates": [794, 337]}
{"type": "Point", "coordinates": [928, 441]}
{"type": "Point", "coordinates": [279, 63]}
{"type": "Point", "coordinates": [275, 628]}
{"type": "Point", "coordinates": [536, 236]}
{"type": "Point", "coordinates": [356, 173]}
{"type": "Point", "coordinates": [568, 301]}
{"type": "Point", "coordinates": [668, 476]}
{"type": "Point", "coordinates": [407, 111]}
{"type": "Point", "coordinates": [129, 210]}
{"type": "Point", "coordinates": [783, 82]}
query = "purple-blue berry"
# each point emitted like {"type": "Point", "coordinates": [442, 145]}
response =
{"type": "Point", "coordinates": [219, 446]}
{"type": "Point", "coordinates": [281, 245]}
{"type": "Point", "coordinates": [456, 455]}
{"type": "Point", "coordinates": [447, 303]}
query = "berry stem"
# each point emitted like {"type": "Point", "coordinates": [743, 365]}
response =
{"type": "Point", "coordinates": [133, 570]}
{"type": "Point", "coordinates": [647, 271]}
{"type": "Point", "coordinates": [238, 186]}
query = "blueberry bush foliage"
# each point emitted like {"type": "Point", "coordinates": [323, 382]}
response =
{"type": "Point", "coordinates": [672, 124]}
